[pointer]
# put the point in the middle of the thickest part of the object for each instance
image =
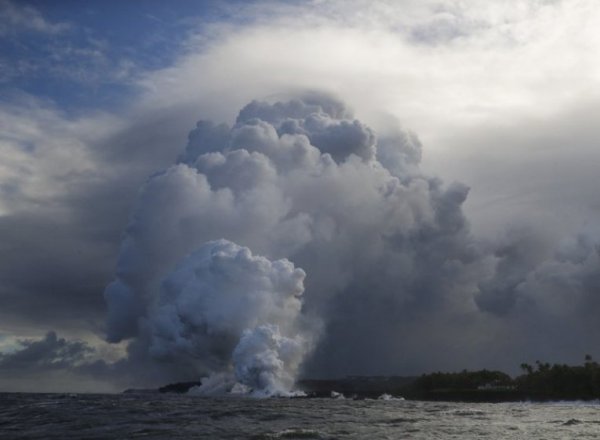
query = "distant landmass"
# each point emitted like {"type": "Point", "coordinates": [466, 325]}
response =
{"type": "Point", "coordinates": [539, 382]}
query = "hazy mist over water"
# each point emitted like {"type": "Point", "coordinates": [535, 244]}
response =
{"type": "Point", "coordinates": [70, 416]}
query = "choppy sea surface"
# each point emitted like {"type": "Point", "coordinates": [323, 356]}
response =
{"type": "Point", "coordinates": [156, 416]}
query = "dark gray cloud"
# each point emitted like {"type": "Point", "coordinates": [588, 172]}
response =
{"type": "Point", "coordinates": [52, 271]}
{"type": "Point", "coordinates": [531, 279]}
{"type": "Point", "coordinates": [49, 353]}
{"type": "Point", "coordinates": [58, 364]}
{"type": "Point", "coordinates": [517, 255]}
{"type": "Point", "coordinates": [59, 247]}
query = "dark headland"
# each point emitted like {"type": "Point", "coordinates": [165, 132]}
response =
{"type": "Point", "coordinates": [539, 382]}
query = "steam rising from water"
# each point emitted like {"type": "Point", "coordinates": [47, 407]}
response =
{"type": "Point", "coordinates": [301, 181]}
{"type": "Point", "coordinates": [393, 275]}
{"type": "Point", "coordinates": [229, 308]}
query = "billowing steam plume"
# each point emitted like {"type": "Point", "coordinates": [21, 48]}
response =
{"type": "Point", "coordinates": [223, 305]}
{"type": "Point", "coordinates": [301, 180]}
{"type": "Point", "coordinates": [391, 268]}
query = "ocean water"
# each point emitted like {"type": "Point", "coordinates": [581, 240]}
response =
{"type": "Point", "coordinates": [156, 416]}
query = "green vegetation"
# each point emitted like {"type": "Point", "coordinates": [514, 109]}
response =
{"type": "Point", "coordinates": [473, 386]}
{"type": "Point", "coordinates": [541, 381]}
{"type": "Point", "coordinates": [464, 380]}
{"type": "Point", "coordinates": [556, 381]}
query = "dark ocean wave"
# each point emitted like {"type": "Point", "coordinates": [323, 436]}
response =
{"type": "Point", "coordinates": [156, 416]}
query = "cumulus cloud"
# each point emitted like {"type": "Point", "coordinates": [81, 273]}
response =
{"type": "Point", "coordinates": [306, 181]}
{"type": "Point", "coordinates": [50, 352]}
{"type": "Point", "coordinates": [57, 364]}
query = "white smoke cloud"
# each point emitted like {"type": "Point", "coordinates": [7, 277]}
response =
{"type": "Point", "coordinates": [232, 309]}
{"type": "Point", "coordinates": [392, 270]}
{"type": "Point", "coordinates": [266, 360]}
{"type": "Point", "coordinates": [301, 180]}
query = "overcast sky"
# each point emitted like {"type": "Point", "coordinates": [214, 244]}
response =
{"type": "Point", "coordinates": [97, 97]}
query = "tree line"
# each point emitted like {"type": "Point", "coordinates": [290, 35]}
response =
{"type": "Point", "coordinates": [541, 381]}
